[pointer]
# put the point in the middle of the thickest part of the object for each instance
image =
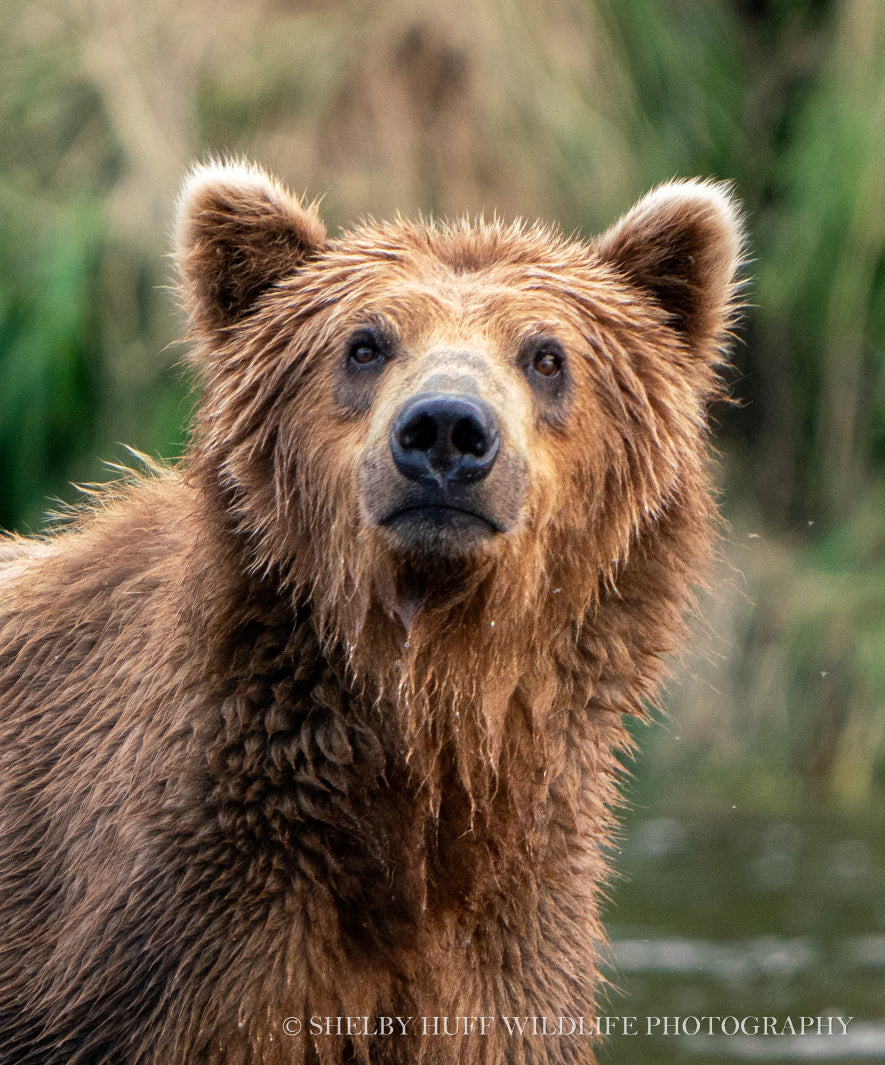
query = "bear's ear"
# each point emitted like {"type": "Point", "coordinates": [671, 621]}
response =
{"type": "Point", "coordinates": [682, 244]}
{"type": "Point", "coordinates": [237, 232]}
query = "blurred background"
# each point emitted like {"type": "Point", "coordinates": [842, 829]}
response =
{"type": "Point", "coordinates": [753, 852]}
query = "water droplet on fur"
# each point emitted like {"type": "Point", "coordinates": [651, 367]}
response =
{"type": "Point", "coordinates": [407, 643]}
{"type": "Point", "coordinates": [491, 624]}
{"type": "Point", "coordinates": [556, 591]}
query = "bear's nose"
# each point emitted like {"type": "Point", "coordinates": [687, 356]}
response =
{"type": "Point", "coordinates": [445, 439]}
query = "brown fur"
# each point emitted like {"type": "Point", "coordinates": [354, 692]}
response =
{"type": "Point", "coordinates": [264, 755]}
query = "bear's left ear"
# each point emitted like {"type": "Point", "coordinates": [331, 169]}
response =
{"type": "Point", "coordinates": [238, 231]}
{"type": "Point", "coordinates": [682, 244]}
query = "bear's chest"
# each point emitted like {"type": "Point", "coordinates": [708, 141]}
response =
{"type": "Point", "coordinates": [313, 806]}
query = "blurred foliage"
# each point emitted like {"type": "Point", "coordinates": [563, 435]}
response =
{"type": "Point", "coordinates": [787, 701]}
{"type": "Point", "coordinates": [48, 329]}
{"type": "Point", "coordinates": [566, 110]}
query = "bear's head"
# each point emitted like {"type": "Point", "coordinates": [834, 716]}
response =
{"type": "Point", "coordinates": [456, 425]}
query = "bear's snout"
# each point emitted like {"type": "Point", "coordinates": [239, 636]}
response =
{"type": "Point", "coordinates": [441, 475]}
{"type": "Point", "coordinates": [445, 440]}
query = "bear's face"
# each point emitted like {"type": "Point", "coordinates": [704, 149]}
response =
{"type": "Point", "coordinates": [457, 387]}
{"type": "Point", "coordinates": [448, 396]}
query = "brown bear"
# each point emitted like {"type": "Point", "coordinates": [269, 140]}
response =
{"type": "Point", "coordinates": [310, 744]}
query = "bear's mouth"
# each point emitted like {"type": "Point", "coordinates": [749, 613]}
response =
{"type": "Point", "coordinates": [443, 516]}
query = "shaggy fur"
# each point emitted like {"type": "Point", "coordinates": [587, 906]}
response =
{"type": "Point", "coordinates": [266, 752]}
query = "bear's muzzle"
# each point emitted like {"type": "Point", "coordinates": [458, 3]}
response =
{"type": "Point", "coordinates": [441, 479]}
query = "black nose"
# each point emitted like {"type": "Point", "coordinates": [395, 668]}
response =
{"type": "Point", "coordinates": [445, 439]}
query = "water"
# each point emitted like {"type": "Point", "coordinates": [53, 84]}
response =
{"type": "Point", "coordinates": [725, 920]}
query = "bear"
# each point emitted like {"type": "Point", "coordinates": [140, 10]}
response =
{"type": "Point", "coordinates": [312, 742]}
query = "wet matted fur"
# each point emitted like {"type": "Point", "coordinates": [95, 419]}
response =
{"type": "Point", "coordinates": [287, 731]}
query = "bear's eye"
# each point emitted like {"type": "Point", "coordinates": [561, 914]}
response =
{"type": "Point", "coordinates": [547, 360]}
{"type": "Point", "coordinates": [365, 348]}
{"type": "Point", "coordinates": [543, 361]}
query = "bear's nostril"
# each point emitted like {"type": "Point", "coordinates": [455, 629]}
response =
{"type": "Point", "coordinates": [470, 438]}
{"type": "Point", "coordinates": [419, 433]}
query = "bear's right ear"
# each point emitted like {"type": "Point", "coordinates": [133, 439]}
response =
{"type": "Point", "coordinates": [238, 231]}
